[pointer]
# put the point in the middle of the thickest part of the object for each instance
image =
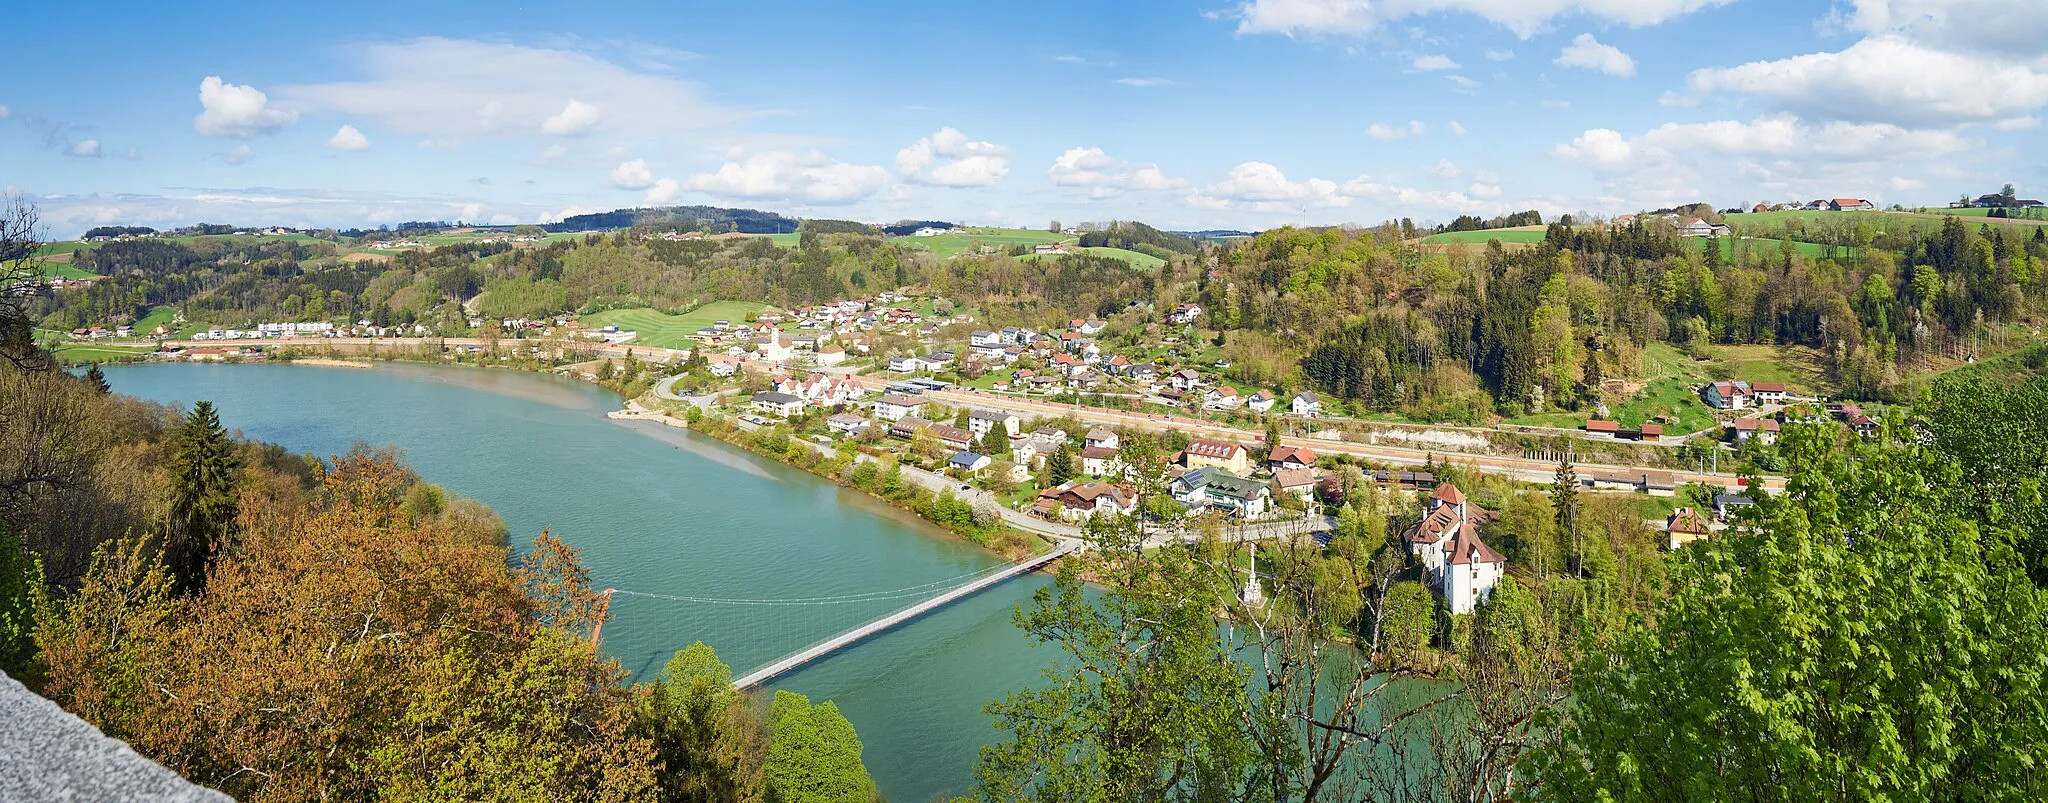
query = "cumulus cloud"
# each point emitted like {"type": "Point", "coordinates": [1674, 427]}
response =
{"type": "Point", "coordinates": [1464, 84]}
{"type": "Point", "coordinates": [1105, 176]}
{"type": "Point", "coordinates": [453, 90]}
{"type": "Point", "coordinates": [1433, 62]}
{"type": "Point", "coordinates": [1144, 82]}
{"type": "Point", "coordinates": [231, 110]}
{"type": "Point", "coordinates": [1457, 129]}
{"type": "Point", "coordinates": [1889, 78]}
{"type": "Point", "coordinates": [1483, 190]}
{"type": "Point", "coordinates": [1262, 187]}
{"type": "Point", "coordinates": [1526, 18]}
{"type": "Point", "coordinates": [347, 138]}
{"type": "Point", "coordinates": [785, 175]}
{"type": "Point", "coordinates": [69, 215]}
{"type": "Point", "coordinates": [240, 154]}
{"type": "Point", "coordinates": [632, 175]}
{"type": "Point", "coordinates": [87, 148]}
{"type": "Point", "coordinates": [1599, 148]}
{"type": "Point", "coordinates": [1445, 170]}
{"type": "Point", "coordinates": [1587, 53]}
{"type": "Point", "coordinates": [1388, 133]}
{"type": "Point", "coordinates": [948, 158]}
{"type": "Point", "coordinates": [663, 191]}
{"type": "Point", "coordinates": [1407, 199]}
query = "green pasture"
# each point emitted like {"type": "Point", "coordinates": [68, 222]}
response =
{"type": "Point", "coordinates": [673, 331]}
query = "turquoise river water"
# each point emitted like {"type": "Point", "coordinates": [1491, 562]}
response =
{"type": "Point", "coordinates": [662, 511]}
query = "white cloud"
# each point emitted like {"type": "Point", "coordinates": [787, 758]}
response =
{"type": "Point", "coordinates": [5, 112]}
{"type": "Point", "coordinates": [1587, 53]}
{"type": "Point", "coordinates": [1670, 98]}
{"type": "Point", "coordinates": [1457, 129]}
{"type": "Point", "coordinates": [1445, 170]}
{"type": "Point", "coordinates": [240, 154]}
{"type": "Point", "coordinates": [1464, 84]}
{"type": "Point", "coordinates": [230, 110]}
{"type": "Point", "coordinates": [1388, 133]}
{"type": "Point", "coordinates": [1599, 148]}
{"type": "Point", "coordinates": [948, 158]}
{"type": "Point", "coordinates": [88, 148]}
{"type": "Point", "coordinates": [632, 175]}
{"type": "Point", "coordinates": [1483, 190]}
{"type": "Point", "coordinates": [1105, 176]}
{"type": "Point", "coordinates": [455, 90]}
{"type": "Point", "coordinates": [1261, 187]}
{"type": "Point", "coordinates": [2018, 123]}
{"type": "Point", "coordinates": [1889, 78]}
{"type": "Point", "coordinates": [2001, 27]}
{"type": "Point", "coordinates": [1526, 18]}
{"type": "Point", "coordinates": [1409, 199]}
{"type": "Point", "coordinates": [1903, 184]}
{"type": "Point", "coordinates": [663, 191]}
{"type": "Point", "coordinates": [1433, 62]}
{"type": "Point", "coordinates": [1144, 82]}
{"type": "Point", "coordinates": [574, 120]}
{"type": "Point", "coordinates": [347, 138]}
{"type": "Point", "coordinates": [553, 152]}
{"type": "Point", "coordinates": [789, 176]}
{"type": "Point", "coordinates": [1499, 55]}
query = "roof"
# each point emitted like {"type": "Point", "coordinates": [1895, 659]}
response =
{"type": "Point", "coordinates": [1209, 448]}
{"type": "Point", "coordinates": [991, 415]}
{"type": "Point", "coordinates": [1307, 396]}
{"type": "Point", "coordinates": [1224, 390]}
{"type": "Point", "coordinates": [1448, 492]}
{"type": "Point", "coordinates": [1466, 548]}
{"type": "Point", "coordinates": [1754, 424]}
{"type": "Point", "coordinates": [1767, 387]}
{"type": "Point", "coordinates": [845, 418]}
{"type": "Point", "coordinates": [900, 400]}
{"type": "Point", "coordinates": [947, 432]}
{"type": "Point", "coordinates": [966, 459]}
{"type": "Point", "coordinates": [1687, 520]}
{"type": "Point", "coordinates": [1294, 454]}
{"type": "Point", "coordinates": [1294, 477]}
{"type": "Point", "coordinates": [1097, 453]}
{"type": "Point", "coordinates": [773, 397]}
{"type": "Point", "coordinates": [1100, 434]}
{"type": "Point", "coordinates": [1652, 429]}
{"type": "Point", "coordinates": [1597, 425]}
{"type": "Point", "coordinates": [909, 423]}
{"type": "Point", "coordinates": [1223, 482]}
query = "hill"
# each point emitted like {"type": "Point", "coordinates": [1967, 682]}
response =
{"type": "Point", "coordinates": [682, 218]}
{"type": "Point", "coordinates": [672, 331]}
{"type": "Point", "coordinates": [946, 246]}
{"type": "Point", "coordinates": [1135, 236]}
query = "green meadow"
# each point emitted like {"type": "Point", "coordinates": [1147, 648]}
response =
{"type": "Point", "coordinates": [673, 331]}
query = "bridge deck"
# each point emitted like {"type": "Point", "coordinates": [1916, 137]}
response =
{"type": "Point", "coordinates": [835, 643]}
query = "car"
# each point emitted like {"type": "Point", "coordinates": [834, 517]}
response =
{"type": "Point", "coordinates": [966, 487]}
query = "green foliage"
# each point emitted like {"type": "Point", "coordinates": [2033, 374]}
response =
{"type": "Point", "coordinates": [1862, 636]}
{"type": "Point", "coordinates": [700, 729]}
{"type": "Point", "coordinates": [1409, 618]}
{"type": "Point", "coordinates": [1059, 465]}
{"type": "Point", "coordinates": [21, 584]}
{"type": "Point", "coordinates": [98, 379]}
{"type": "Point", "coordinates": [204, 497]}
{"type": "Point", "coordinates": [1997, 435]}
{"type": "Point", "coordinates": [814, 755]}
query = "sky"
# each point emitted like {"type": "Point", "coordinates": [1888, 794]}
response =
{"type": "Point", "coordinates": [1242, 114]}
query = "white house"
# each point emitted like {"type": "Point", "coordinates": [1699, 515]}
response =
{"type": "Point", "coordinates": [1079, 500]}
{"type": "Point", "coordinates": [1261, 401]}
{"type": "Point", "coordinates": [1454, 560]}
{"type": "Point", "coordinates": [1306, 405]}
{"type": "Point", "coordinates": [1222, 397]}
{"type": "Point", "coordinates": [847, 424]}
{"type": "Point", "coordinates": [1097, 461]}
{"type": "Point", "coordinates": [1299, 483]}
{"type": "Point", "coordinates": [1219, 488]}
{"type": "Point", "coordinates": [893, 407]}
{"type": "Point", "coordinates": [781, 405]}
{"type": "Point", "coordinates": [1185, 313]}
{"type": "Point", "coordinates": [1100, 438]}
{"type": "Point", "coordinates": [831, 355]}
{"type": "Point", "coordinates": [1761, 429]}
{"type": "Point", "coordinates": [968, 462]}
{"type": "Point", "coordinates": [1733, 394]}
{"type": "Point", "coordinates": [981, 422]}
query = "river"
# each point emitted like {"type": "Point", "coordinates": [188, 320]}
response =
{"type": "Point", "coordinates": [662, 511]}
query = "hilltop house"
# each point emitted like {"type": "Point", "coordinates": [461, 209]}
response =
{"type": "Point", "coordinates": [1224, 490]}
{"type": "Point", "coordinates": [1846, 204]}
{"type": "Point", "coordinates": [1307, 405]}
{"type": "Point", "coordinates": [1202, 453]}
{"type": "Point", "coordinates": [1460, 566]}
{"type": "Point", "coordinates": [1733, 394]}
{"type": "Point", "coordinates": [1184, 314]}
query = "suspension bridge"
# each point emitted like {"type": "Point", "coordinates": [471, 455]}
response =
{"type": "Point", "coordinates": [930, 597]}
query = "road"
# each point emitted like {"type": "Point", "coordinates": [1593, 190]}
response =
{"type": "Point", "coordinates": [1514, 467]}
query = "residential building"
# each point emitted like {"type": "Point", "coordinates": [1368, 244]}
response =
{"type": "Point", "coordinates": [1283, 458]}
{"type": "Point", "coordinates": [1184, 314]}
{"type": "Point", "coordinates": [1726, 505]}
{"type": "Point", "coordinates": [831, 355]}
{"type": "Point", "coordinates": [1185, 379]}
{"type": "Point", "coordinates": [1222, 397]}
{"type": "Point", "coordinates": [952, 436]}
{"type": "Point", "coordinates": [1101, 438]}
{"type": "Point", "coordinates": [781, 405]}
{"type": "Point", "coordinates": [1733, 394]}
{"type": "Point", "coordinates": [1299, 483]}
{"type": "Point", "coordinates": [968, 463]}
{"type": "Point", "coordinates": [908, 426]}
{"type": "Point", "coordinates": [847, 424]}
{"type": "Point", "coordinates": [1306, 405]}
{"type": "Point", "coordinates": [1219, 454]}
{"type": "Point", "coordinates": [1455, 561]}
{"type": "Point", "coordinates": [1214, 487]}
{"type": "Point", "coordinates": [1684, 526]}
{"type": "Point", "coordinates": [1097, 461]}
{"type": "Point", "coordinates": [1768, 393]}
{"type": "Point", "coordinates": [893, 407]}
{"type": "Point", "coordinates": [1261, 401]}
{"type": "Point", "coordinates": [1080, 500]}
{"type": "Point", "coordinates": [1761, 429]}
{"type": "Point", "coordinates": [982, 422]}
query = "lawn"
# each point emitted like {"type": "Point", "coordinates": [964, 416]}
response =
{"type": "Point", "coordinates": [84, 352]}
{"type": "Point", "coordinates": [64, 247]}
{"type": "Point", "coordinates": [947, 245]}
{"type": "Point", "coordinates": [1518, 234]}
{"type": "Point", "coordinates": [158, 316]}
{"type": "Point", "coordinates": [64, 269]}
{"type": "Point", "coordinates": [673, 331]}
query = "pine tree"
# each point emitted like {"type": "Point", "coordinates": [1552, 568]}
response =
{"type": "Point", "coordinates": [204, 501]}
{"type": "Point", "coordinates": [98, 379]}
{"type": "Point", "coordinates": [1564, 498]}
{"type": "Point", "coordinates": [1059, 466]}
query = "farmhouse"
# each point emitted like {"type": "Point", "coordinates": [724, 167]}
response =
{"type": "Point", "coordinates": [1761, 429]}
{"type": "Point", "coordinates": [1733, 394]}
{"type": "Point", "coordinates": [1847, 204]}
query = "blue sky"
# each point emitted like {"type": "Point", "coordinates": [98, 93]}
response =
{"type": "Point", "coordinates": [1242, 114]}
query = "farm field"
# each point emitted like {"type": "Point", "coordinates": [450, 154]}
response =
{"type": "Point", "coordinates": [158, 316]}
{"type": "Point", "coordinates": [1518, 234]}
{"type": "Point", "coordinates": [1736, 247]}
{"type": "Point", "coordinates": [51, 269]}
{"type": "Point", "coordinates": [1140, 261]}
{"type": "Point", "coordinates": [90, 352]}
{"type": "Point", "coordinates": [673, 331]}
{"type": "Point", "coordinates": [1979, 211]}
{"type": "Point", "coordinates": [947, 245]}
{"type": "Point", "coordinates": [1881, 220]}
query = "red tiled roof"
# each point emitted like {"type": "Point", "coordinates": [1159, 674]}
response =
{"type": "Point", "coordinates": [1294, 477]}
{"type": "Point", "coordinates": [1466, 548]}
{"type": "Point", "coordinates": [1653, 429]}
{"type": "Point", "coordinates": [1295, 454]}
{"type": "Point", "coordinates": [1218, 449]}
{"type": "Point", "coordinates": [1767, 387]}
{"type": "Point", "coordinates": [1687, 520]}
{"type": "Point", "coordinates": [1449, 493]}
{"type": "Point", "coordinates": [1597, 425]}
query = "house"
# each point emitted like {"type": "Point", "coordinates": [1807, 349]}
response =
{"type": "Point", "coordinates": [1080, 500]}
{"type": "Point", "coordinates": [968, 463]}
{"type": "Point", "coordinates": [981, 422]}
{"type": "Point", "coordinates": [1202, 453]}
{"type": "Point", "coordinates": [1097, 461]}
{"type": "Point", "coordinates": [1650, 433]}
{"type": "Point", "coordinates": [1185, 379]}
{"type": "Point", "coordinates": [1299, 483]}
{"type": "Point", "coordinates": [1184, 314]}
{"type": "Point", "coordinates": [1762, 429]}
{"type": "Point", "coordinates": [1768, 393]}
{"type": "Point", "coordinates": [1090, 327]}
{"type": "Point", "coordinates": [907, 365]}
{"type": "Point", "coordinates": [894, 407]}
{"type": "Point", "coordinates": [938, 360]}
{"type": "Point", "coordinates": [952, 436]}
{"type": "Point", "coordinates": [775, 347]}
{"type": "Point", "coordinates": [984, 337]}
{"type": "Point", "coordinates": [831, 355]}
{"type": "Point", "coordinates": [908, 426]}
{"type": "Point", "coordinates": [1222, 397]}
{"type": "Point", "coordinates": [1215, 487]}
{"type": "Point", "coordinates": [1599, 427]}
{"type": "Point", "coordinates": [847, 424]}
{"type": "Point", "coordinates": [1455, 561]}
{"type": "Point", "coordinates": [780, 405]}
{"type": "Point", "coordinates": [1864, 425]}
{"type": "Point", "coordinates": [1684, 526]}
{"type": "Point", "coordinates": [1846, 204]}
{"type": "Point", "coordinates": [1284, 458]}
{"type": "Point", "coordinates": [828, 390]}
{"type": "Point", "coordinates": [1726, 505]}
{"type": "Point", "coordinates": [1100, 438]}
{"type": "Point", "coordinates": [722, 365]}
{"type": "Point", "coordinates": [1306, 405]}
{"type": "Point", "coordinates": [1695, 227]}
{"type": "Point", "coordinates": [1733, 394]}
{"type": "Point", "coordinates": [1261, 401]}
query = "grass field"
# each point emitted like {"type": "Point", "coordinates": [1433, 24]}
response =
{"type": "Point", "coordinates": [66, 270]}
{"type": "Point", "coordinates": [2037, 213]}
{"type": "Point", "coordinates": [158, 316]}
{"type": "Point", "coordinates": [947, 245]}
{"type": "Point", "coordinates": [1518, 234]}
{"type": "Point", "coordinates": [87, 352]}
{"type": "Point", "coordinates": [673, 331]}
{"type": "Point", "coordinates": [1732, 248]}
{"type": "Point", "coordinates": [1880, 220]}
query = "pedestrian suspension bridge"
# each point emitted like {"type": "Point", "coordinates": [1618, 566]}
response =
{"type": "Point", "coordinates": [929, 597]}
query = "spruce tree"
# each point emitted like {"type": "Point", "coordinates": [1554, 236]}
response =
{"type": "Point", "coordinates": [1564, 498]}
{"type": "Point", "coordinates": [1059, 466]}
{"type": "Point", "coordinates": [204, 501]}
{"type": "Point", "coordinates": [98, 379]}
